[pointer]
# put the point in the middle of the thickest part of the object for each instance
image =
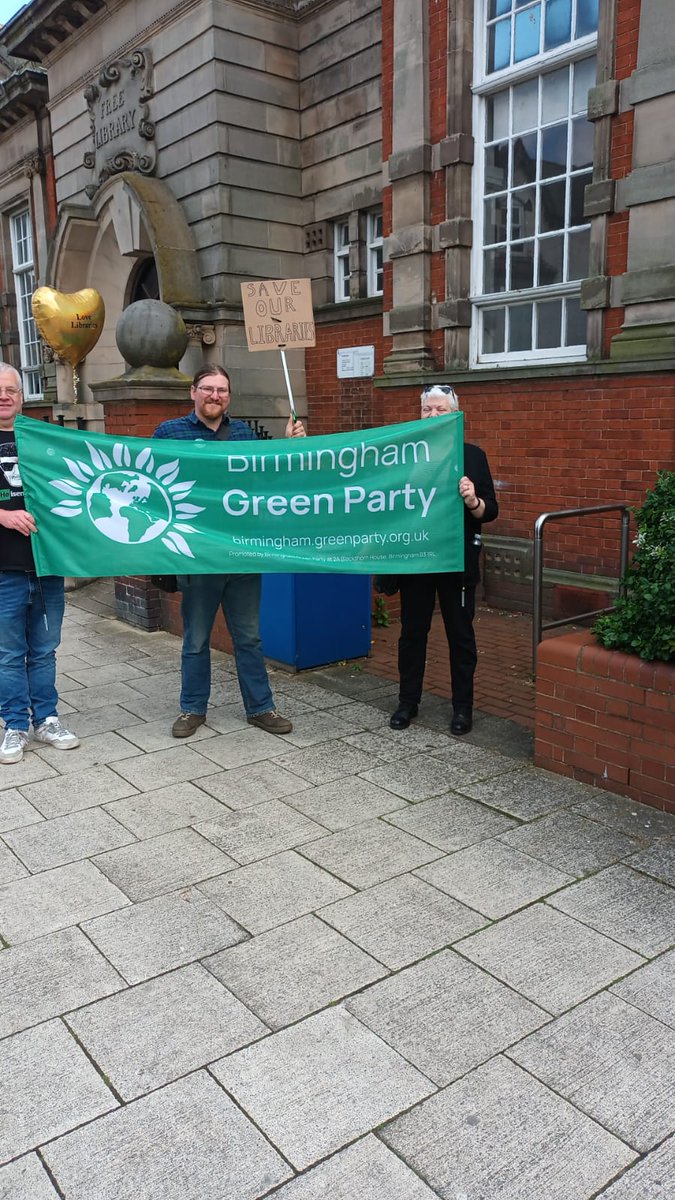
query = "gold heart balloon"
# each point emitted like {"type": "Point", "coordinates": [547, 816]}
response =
{"type": "Point", "coordinates": [70, 322]}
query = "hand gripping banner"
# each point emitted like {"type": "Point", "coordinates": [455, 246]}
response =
{"type": "Point", "coordinates": [379, 501]}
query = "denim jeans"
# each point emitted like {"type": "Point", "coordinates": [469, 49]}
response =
{"type": "Point", "coordinates": [30, 630]}
{"type": "Point", "coordinates": [239, 598]}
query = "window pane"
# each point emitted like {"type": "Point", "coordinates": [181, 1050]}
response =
{"type": "Point", "coordinates": [578, 185]}
{"type": "Point", "coordinates": [497, 8]}
{"type": "Point", "coordinates": [522, 213]}
{"type": "Point", "coordinates": [499, 45]}
{"type": "Point", "coordinates": [522, 265]}
{"type": "Point", "coordinates": [526, 38]}
{"type": "Point", "coordinates": [549, 320]}
{"type": "Point", "coordinates": [550, 261]}
{"type": "Point", "coordinates": [582, 144]}
{"type": "Point", "coordinates": [558, 24]}
{"type": "Point", "coordinates": [555, 95]}
{"type": "Point", "coordinates": [496, 167]}
{"type": "Point", "coordinates": [493, 330]}
{"type": "Point", "coordinates": [498, 116]}
{"type": "Point", "coordinates": [495, 219]}
{"type": "Point", "coordinates": [576, 323]}
{"type": "Point", "coordinates": [525, 159]}
{"type": "Point", "coordinates": [587, 17]}
{"type": "Point", "coordinates": [552, 206]}
{"type": "Point", "coordinates": [520, 327]}
{"type": "Point", "coordinates": [525, 113]}
{"type": "Point", "coordinates": [578, 253]}
{"type": "Point", "coordinates": [495, 271]}
{"type": "Point", "coordinates": [585, 74]}
{"type": "Point", "coordinates": [554, 151]}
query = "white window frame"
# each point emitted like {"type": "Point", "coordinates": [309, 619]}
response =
{"type": "Point", "coordinates": [341, 270]}
{"type": "Point", "coordinates": [21, 236]}
{"type": "Point", "coordinates": [484, 86]}
{"type": "Point", "coordinates": [374, 253]}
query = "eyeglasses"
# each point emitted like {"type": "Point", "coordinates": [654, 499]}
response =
{"type": "Point", "coordinates": [211, 391]}
{"type": "Point", "coordinates": [440, 387]}
{"type": "Point", "coordinates": [11, 392]}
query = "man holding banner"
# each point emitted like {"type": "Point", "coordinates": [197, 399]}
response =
{"type": "Point", "coordinates": [32, 608]}
{"type": "Point", "coordinates": [237, 594]}
{"type": "Point", "coordinates": [456, 590]}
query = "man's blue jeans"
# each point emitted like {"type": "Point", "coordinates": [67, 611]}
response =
{"type": "Point", "coordinates": [31, 614]}
{"type": "Point", "coordinates": [239, 598]}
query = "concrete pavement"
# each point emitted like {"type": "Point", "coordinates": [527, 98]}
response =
{"type": "Point", "coordinates": [346, 963]}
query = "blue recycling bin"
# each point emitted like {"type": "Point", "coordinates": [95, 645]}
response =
{"type": "Point", "coordinates": [310, 620]}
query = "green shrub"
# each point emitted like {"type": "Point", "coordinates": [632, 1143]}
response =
{"type": "Point", "coordinates": [643, 622]}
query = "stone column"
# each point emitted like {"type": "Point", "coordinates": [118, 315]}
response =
{"type": "Point", "coordinates": [408, 169]}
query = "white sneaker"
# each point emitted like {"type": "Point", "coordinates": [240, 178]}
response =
{"type": "Point", "coordinates": [13, 745]}
{"type": "Point", "coordinates": [55, 734]}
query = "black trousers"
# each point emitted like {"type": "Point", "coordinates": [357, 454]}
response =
{"type": "Point", "coordinates": [418, 599]}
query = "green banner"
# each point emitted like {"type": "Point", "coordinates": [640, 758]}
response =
{"type": "Point", "coordinates": [381, 501]}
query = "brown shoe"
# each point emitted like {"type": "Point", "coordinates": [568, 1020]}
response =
{"type": "Point", "coordinates": [271, 722]}
{"type": "Point", "coordinates": [186, 724]}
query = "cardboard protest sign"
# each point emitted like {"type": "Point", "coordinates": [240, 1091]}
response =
{"type": "Point", "coordinates": [278, 314]}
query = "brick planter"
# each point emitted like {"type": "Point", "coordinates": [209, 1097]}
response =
{"type": "Point", "coordinates": [606, 718]}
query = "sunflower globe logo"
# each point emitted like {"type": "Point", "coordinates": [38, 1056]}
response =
{"type": "Point", "coordinates": [130, 501]}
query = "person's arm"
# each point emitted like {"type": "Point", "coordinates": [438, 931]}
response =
{"type": "Point", "coordinates": [295, 428]}
{"type": "Point", "coordinates": [477, 489]}
{"type": "Point", "coordinates": [19, 520]}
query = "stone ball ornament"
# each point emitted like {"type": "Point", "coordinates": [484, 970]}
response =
{"type": "Point", "coordinates": [70, 322]}
{"type": "Point", "coordinates": [150, 333]}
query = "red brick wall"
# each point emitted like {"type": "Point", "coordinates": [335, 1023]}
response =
{"type": "Point", "coordinates": [341, 404]}
{"type": "Point", "coordinates": [607, 719]}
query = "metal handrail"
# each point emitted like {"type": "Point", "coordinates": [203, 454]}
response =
{"type": "Point", "coordinates": [538, 626]}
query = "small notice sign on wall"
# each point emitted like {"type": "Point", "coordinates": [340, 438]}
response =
{"type": "Point", "coordinates": [278, 314]}
{"type": "Point", "coordinates": [355, 362]}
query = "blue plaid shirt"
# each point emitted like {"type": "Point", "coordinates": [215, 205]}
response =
{"type": "Point", "coordinates": [190, 427]}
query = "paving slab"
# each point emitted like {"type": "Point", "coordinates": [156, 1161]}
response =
{"type": "Point", "coordinates": [364, 716]}
{"type": "Point", "coordinates": [650, 1179]}
{"type": "Point", "coordinates": [50, 975]}
{"type": "Point", "coordinates": [626, 906]}
{"type": "Point", "coordinates": [446, 1016]}
{"type": "Point", "coordinates": [658, 860]}
{"type": "Point", "coordinates": [15, 811]}
{"type": "Point", "coordinates": [85, 699]}
{"type": "Point", "coordinates": [367, 1170]}
{"type": "Point", "coordinates": [636, 820]}
{"type": "Point", "coordinates": [450, 822]}
{"type": "Point", "coordinates": [156, 735]}
{"type": "Point", "coordinates": [369, 853]}
{"type": "Point", "coordinates": [309, 693]}
{"type": "Point", "coordinates": [322, 764]}
{"type": "Point", "coordinates": [320, 725]}
{"type": "Point", "coordinates": [498, 1134]}
{"type": "Point", "coordinates": [237, 749]}
{"type": "Point", "coordinates": [158, 935]}
{"type": "Point", "coordinates": [243, 787]}
{"type": "Point", "coordinates": [345, 802]}
{"type": "Point", "coordinates": [226, 718]}
{"type": "Point", "coordinates": [163, 864]}
{"type": "Point", "coordinates": [157, 686]}
{"type": "Point", "coordinates": [554, 961]}
{"type": "Point", "coordinates": [110, 672]}
{"type": "Point", "coordinates": [568, 841]}
{"type": "Point", "coordinates": [55, 899]}
{"type": "Point", "coordinates": [416, 778]}
{"type": "Point", "coordinates": [149, 814]}
{"type": "Point", "coordinates": [492, 878]}
{"type": "Point", "coordinates": [151, 1034]}
{"type": "Point", "coordinates": [26, 1179]}
{"type": "Point", "coordinates": [66, 839]}
{"type": "Point", "coordinates": [29, 770]}
{"type": "Point", "coordinates": [10, 866]}
{"type": "Point", "coordinates": [112, 719]}
{"type": "Point", "coordinates": [320, 1084]}
{"type": "Point", "coordinates": [36, 1104]}
{"type": "Point", "coordinates": [163, 767]}
{"type": "Point", "coordinates": [63, 794]}
{"type": "Point", "coordinates": [188, 1141]}
{"type": "Point", "coordinates": [652, 988]}
{"type": "Point", "coordinates": [290, 972]}
{"type": "Point", "coordinates": [528, 793]}
{"type": "Point", "coordinates": [614, 1062]}
{"type": "Point", "coordinates": [351, 681]}
{"type": "Point", "coordinates": [254, 833]}
{"type": "Point", "coordinates": [402, 920]}
{"type": "Point", "coordinates": [470, 763]}
{"type": "Point", "coordinates": [277, 889]}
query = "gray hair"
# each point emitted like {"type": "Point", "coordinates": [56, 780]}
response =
{"type": "Point", "coordinates": [5, 367]}
{"type": "Point", "coordinates": [442, 389]}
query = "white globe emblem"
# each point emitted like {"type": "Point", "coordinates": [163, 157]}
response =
{"type": "Point", "coordinates": [130, 501]}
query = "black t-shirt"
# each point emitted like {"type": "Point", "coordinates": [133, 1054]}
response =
{"type": "Point", "coordinates": [16, 553]}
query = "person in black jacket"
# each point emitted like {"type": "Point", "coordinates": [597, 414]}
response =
{"type": "Point", "coordinates": [456, 590]}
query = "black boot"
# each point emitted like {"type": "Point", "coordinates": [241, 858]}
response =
{"type": "Point", "coordinates": [462, 721]}
{"type": "Point", "coordinates": [405, 713]}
